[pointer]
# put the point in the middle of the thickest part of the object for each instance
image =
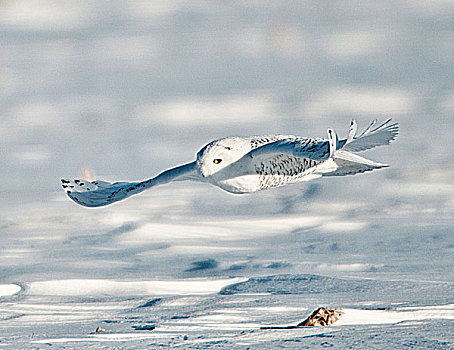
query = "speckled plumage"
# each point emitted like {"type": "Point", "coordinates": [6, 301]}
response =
{"type": "Point", "coordinates": [250, 164]}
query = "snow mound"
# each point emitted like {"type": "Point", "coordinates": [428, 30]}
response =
{"type": "Point", "coordinates": [101, 287]}
{"type": "Point", "coordinates": [9, 289]}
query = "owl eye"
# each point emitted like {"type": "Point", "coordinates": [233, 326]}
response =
{"type": "Point", "coordinates": [217, 161]}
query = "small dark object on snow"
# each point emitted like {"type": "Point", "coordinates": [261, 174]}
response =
{"type": "Point", "coordinates": [322, 316]}
{"type": "Point", "coordinates": [150, 303]}
{"type": "Point", "coordinates": [144, 328]}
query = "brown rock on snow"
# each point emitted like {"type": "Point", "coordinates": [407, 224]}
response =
{"type": "Point", "coordinates": [321, 317]}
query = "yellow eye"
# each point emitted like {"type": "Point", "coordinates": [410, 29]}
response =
{"type": "Point", "coordinates": [217, 161]}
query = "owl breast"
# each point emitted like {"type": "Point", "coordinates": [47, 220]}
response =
{"type": "Point", "coordinates": [263, 173]}
{"type": "Point", "coordinates": [282, 169]}
{"type": "Point", "coordinates": [240, 184]}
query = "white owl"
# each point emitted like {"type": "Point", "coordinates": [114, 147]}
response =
{"type": "Point", "coordinates": [249, 164]}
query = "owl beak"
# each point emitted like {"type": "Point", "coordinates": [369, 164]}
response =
{"type": "Point", "coordinates": [203, 173]}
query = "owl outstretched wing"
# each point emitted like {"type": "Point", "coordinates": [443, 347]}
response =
{"type": "Point", "coordinates": [296, 159]}
{"type": "Point", "coordinates": [99, 193]}
{"type": "Point", "coordinates": [318, 149]}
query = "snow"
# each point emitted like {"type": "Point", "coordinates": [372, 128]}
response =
{"type": "Point", "coordinates": [99, 287]}
{"type": "Point", "coordinates": [362, 317]}
{"type": "Point", "coordinates": [9, 289]}
{"type": "Point", "coordinates": [363, 101]}
{"type": "Point", "coordinates": [99, 338]}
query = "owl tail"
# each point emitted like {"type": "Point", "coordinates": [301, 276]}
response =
{"type": "Point", "coordinates": [343, 162]}
{"type": "Point", "coordinates": [347, 163]}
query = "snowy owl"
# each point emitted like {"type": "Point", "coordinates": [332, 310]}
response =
{"type": "Point", "coordinates": [250, 164]}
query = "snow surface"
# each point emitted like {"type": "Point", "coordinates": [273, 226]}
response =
{"type": "Point", "coordinates": [9, 289]}
{"type": "Point", "coordinates": [124, 89]}
{"type": "Point", "coordinates": [131, 288]}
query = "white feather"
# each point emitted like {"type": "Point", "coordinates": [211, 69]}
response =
{"type": "Point", "coordinates": [381, 135]}
{"type": "Point", "coordinates": [99, 193]}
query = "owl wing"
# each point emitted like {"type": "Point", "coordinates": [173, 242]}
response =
{"type": "Point", "coordinates": [318, 157]}
{"type": "Point", "coordinates": [308, 148]}
{"type": "Point", "coordinates": [372, 137]}
{"type": "Point", "coordinates": [100, 193]}
{"type": "Point", "coordinates": [322, 149]}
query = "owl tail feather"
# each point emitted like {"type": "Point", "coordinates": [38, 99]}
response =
{"type": "Point", "coordinates": [343, 162]}
{"type": "Point", "coordinates": [347, 163]}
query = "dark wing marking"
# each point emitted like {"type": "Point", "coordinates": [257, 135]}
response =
{"type": "Point", "coordinates": [300, 147]}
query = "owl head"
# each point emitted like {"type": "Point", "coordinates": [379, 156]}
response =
{"type": "Point", "coordinates": [219, 154]}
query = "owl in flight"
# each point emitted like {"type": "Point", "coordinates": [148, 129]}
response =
{"type": "Point", "coordinates": [249, 164]}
